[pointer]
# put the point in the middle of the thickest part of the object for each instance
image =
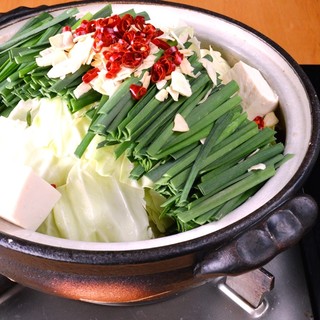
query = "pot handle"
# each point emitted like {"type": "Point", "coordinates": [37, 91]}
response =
{"type": "Point", "coordinates": [254, 248]}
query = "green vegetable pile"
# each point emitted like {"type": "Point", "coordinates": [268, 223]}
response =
{"type": "Point", "coordinates": [20, 76]}
{"type": "Point", "coordinates": [203, 173]}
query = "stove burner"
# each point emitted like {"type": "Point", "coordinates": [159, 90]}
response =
{"type": "Point", "coordinates": [248, 290]}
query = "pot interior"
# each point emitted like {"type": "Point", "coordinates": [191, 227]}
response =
{"type": "Point", "coordinates": [236, 42]}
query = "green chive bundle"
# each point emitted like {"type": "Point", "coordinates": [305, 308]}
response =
{"type": "Point", "coordinates": [201, 181]}
{"type": "Point", "coordinates": [20, 76]}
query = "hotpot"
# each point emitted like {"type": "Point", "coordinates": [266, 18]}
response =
{"type": "Point", "coordinates": [273, 220]}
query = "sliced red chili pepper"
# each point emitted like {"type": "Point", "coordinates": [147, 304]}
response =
{"type": "Point", "coordinates": [259, 121]}
{"type": "Point", "coordinates": [132, 59]}
{"type": "Point", "coordinates": [123, 43]}
{"type": "Point", "coordinates": [171, 50]}
{"type": "Point", "coordinates": [176, 55]}
{"type": "Point", "coordinates": [80, 32]}
{"type": "Point", "coordinates": [157, 33]}
{"type": "Point", "coordinates": [129, 36]}
{"type": "Point", "coordinates": [115, 57]}
{"type": "Point", "coordinates": [137, 91]}
{"type": "Point", "coordinates": [110, 22]}
{"type": "Point", "coordinates": [103, 39]}
{"type": "Point", "coordinates": [124, 46]}
{"type": "Point", "coordinates": [168, 64]}
{"type": "Point", "coordinates": [150, 31]}
{"type": "Point", "coordinates": [66, 28]}
{"type": "Point", "coordinates": [142, 47]}
{"type": "Point", "coordinates": [90, 75]}
{"type": "Point", "coordinates": [139, 22]}
{"type": "Point", "coordinates": [177, 58]}
{"type": "Point", "coordinates": [126, 22]}
{"type": "Point", "coordinates": [109, 39]}
{"type": "Point", "coordinates": [100, 24]}
{"type": "Point", "coordinates": [160, 43]}
{"type": "Point", "coordinates": [158, 72]}
{"type": "Point", "coordinates": [97, 45]}
{"type": "Point", "coordinates": [86, 27]}
{"type": "Point", "coordinates": [113, 69]}
{"type": "Point", "coordinates": [118, 47]}
{"type": "Point", "coordinates": [140, 38]}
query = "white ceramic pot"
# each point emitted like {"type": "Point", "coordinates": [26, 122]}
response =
{"type": "Point", "coordinates": [245, 239]}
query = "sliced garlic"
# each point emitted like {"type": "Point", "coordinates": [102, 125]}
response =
{"type": "Point", "coordinates": [174, 94]}
{"type": "Point", "coordinates": [221, 66]}
{"type": "Point", "coordinates": [259, 166]}
{"type": "Point", "coordinates": [62, 40]}
{"type": "Point", "coordinates": [195, 46]}
{"type": "Point", "coordinates": [123, 74]}
{"type": "Point", "coordinates": [81, 89]}
{"type": "Point", "coordinates": [161, 84]}
{"type": "Point", "coordinates": [187, 52]}
{"type": "Point", "coordinates": [81, 51]}
{"type": "Point", "coordinates": [186, 67]}
{"type": "Point", "coordinates": [205, 97]}
{"type": "Point", "coordinates": [180, 84]}
{"type": "Point", "coordinates": [110, 86]}
{"type": "Point", "coordinates": [254, 152]}
{"type": "Point", "coordinates": [208, 65]}
{"type": "Point", "coordinates": [270, 119]}
{"type": "Point", "coordinates": [77, 56]}
{"type": "Point", "coordinates": [50, 57]}
{"type": "Point", "coordinates": [182, 34]}
{"type": "Point", "coordinates": [146, 79]}
{"type": "Point", "coordinates": [61, 69]}
{"type": "Point", "coordinates": [180, 124]}
{"type": "Point", "coordinates": [162, 95]}
{"type": "Point", "coordinates": [146, 64]}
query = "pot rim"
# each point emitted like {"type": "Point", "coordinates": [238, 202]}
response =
{"type": "Point", "coordinates": [216, 238]}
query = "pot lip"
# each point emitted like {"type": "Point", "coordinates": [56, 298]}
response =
{"type": "Point", "coordinates": [203, 242]}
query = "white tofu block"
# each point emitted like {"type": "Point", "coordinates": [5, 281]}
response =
{"type": "Point", "coordinates": [26, 199]}
{"type": "Point", "coordinates": [258, 98]}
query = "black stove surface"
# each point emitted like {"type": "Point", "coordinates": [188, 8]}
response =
{"type": "Point", "coordinates": [296, 295]}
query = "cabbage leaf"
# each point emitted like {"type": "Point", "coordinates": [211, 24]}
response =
{"type": "Point", "coordinates": [99, 202]}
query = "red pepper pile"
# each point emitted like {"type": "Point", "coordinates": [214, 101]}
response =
{"type": "Point", "coordinates": [125, 42]}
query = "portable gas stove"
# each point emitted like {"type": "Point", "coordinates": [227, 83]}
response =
{"type": "Point", "coordinates": [286, 288]}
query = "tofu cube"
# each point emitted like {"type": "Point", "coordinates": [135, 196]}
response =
{"type": "Point", "coordinates": [26, 199]}
{"type": "Point", "coordinates": [258, 98]}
